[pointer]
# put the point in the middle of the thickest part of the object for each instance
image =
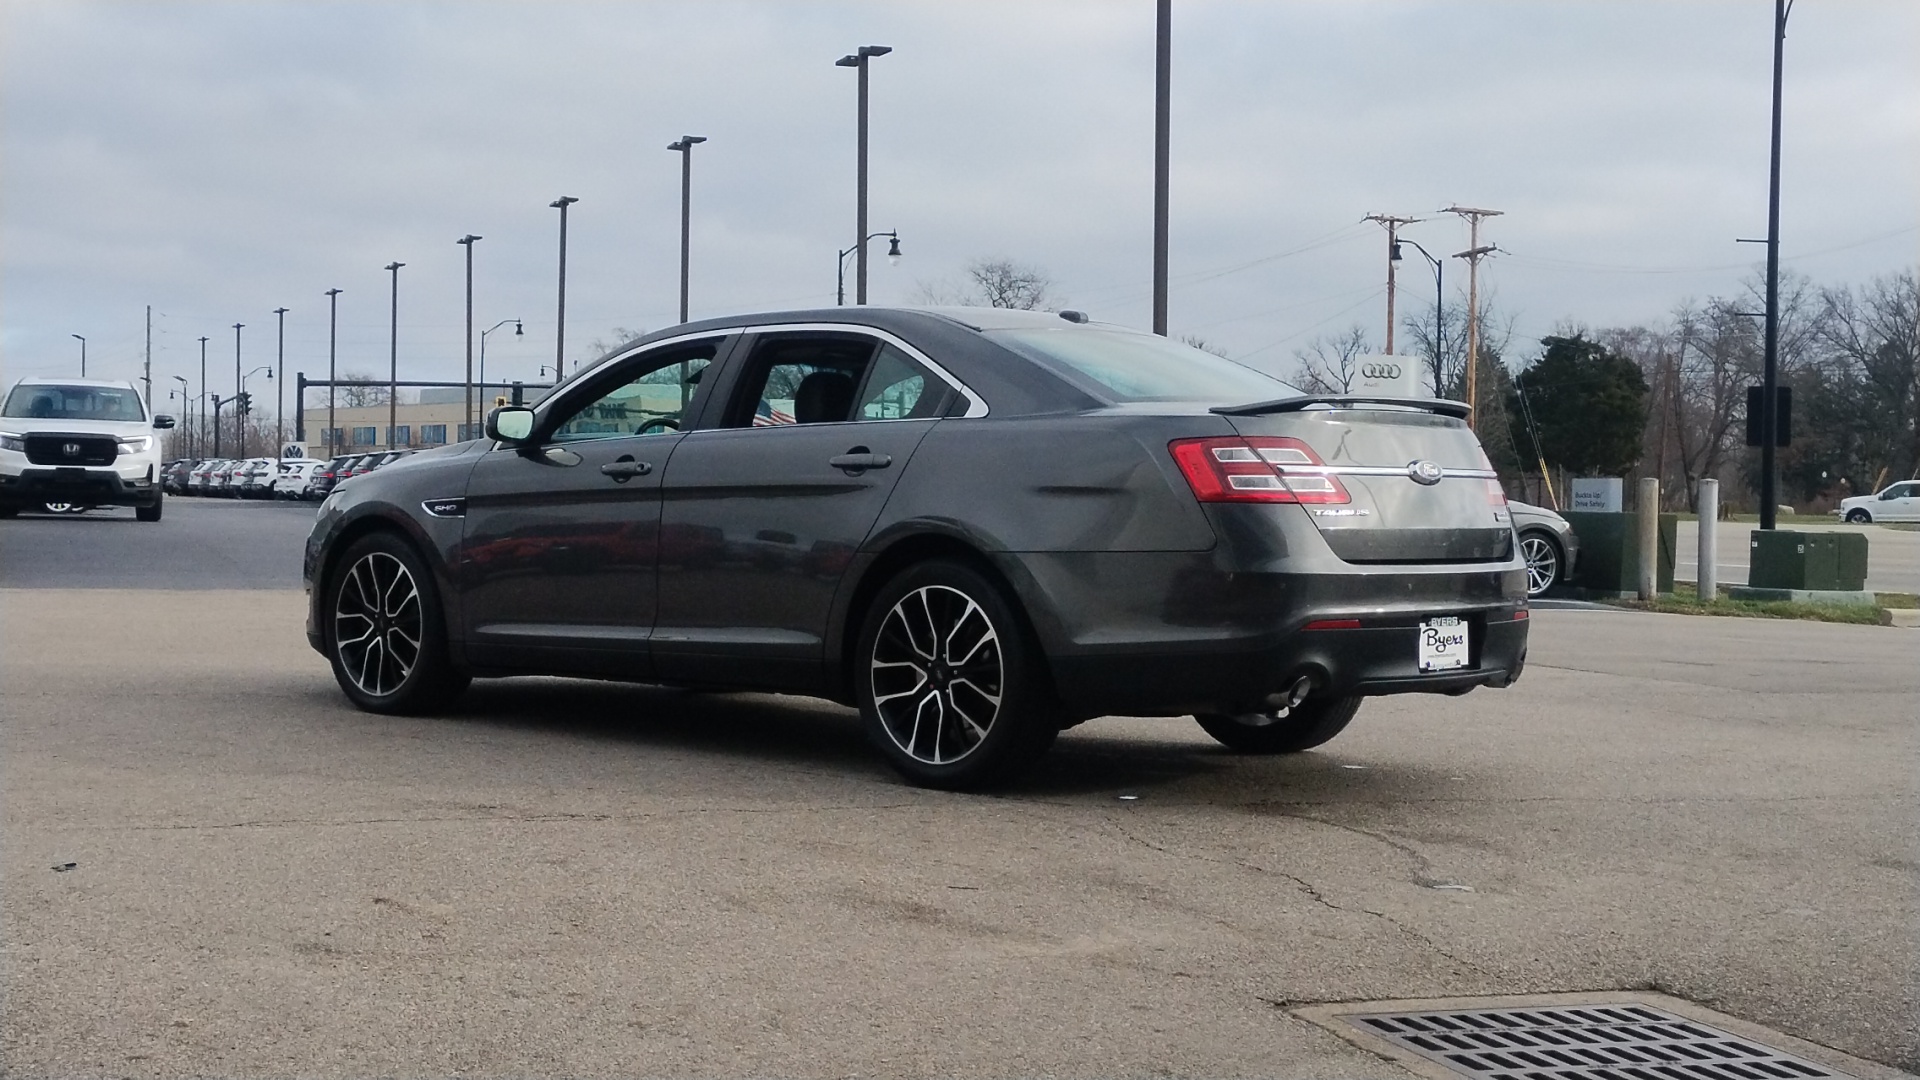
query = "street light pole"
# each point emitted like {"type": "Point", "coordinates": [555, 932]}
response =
{"type": "Point", "coordinates": [518, 331]}
{"type": "Point", "coordinates": [685, 146]}
{"type": "Point", "coordinates": [560, 324]}
{"type": "Point", "coordinates": [466, 417]}
{"type": "Point", "coordinates": [1770, 380]}
{"type": "Point", "coordinates": [1439, 323]}
{"type": "Point", "coordinates": [186, 404]}
{"type": "Point", "coordinates": [333, 324]}
{"type": "Point", "coordinates": [280, 384]}
{"type": "Point", "coordinates": [893, 257]}
{"type": "Point", "coordinates": [201, 427]}
{"type": "Point", "coordinates": [393, 354]}
{"type": "Point", "coordinates": [83, 355]}
{"type": "Point", "coordinates": [1162, 153]}
{"type": "Point", "coordinates": [239, 423]}
{"type": "Point", "coordinates": [859, 60]}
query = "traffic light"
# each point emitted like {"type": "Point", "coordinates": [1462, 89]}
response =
{"type": "Point", "coordinates": [244, 403]}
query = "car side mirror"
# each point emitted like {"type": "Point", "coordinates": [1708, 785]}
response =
{"type": "Point", "coordinates": [162, 422]}
{"type": "Point", "coordinates": [510, 424]}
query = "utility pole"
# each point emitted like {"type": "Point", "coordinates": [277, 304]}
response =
{"type": "Point", "coordinates": [1162, 153]}
{"type": "Point", "coordinates": [393, 355]}
{"type": "Point", "coordinates": [685, 145]}
{"type": "Point", "coordinates": [1392, 225]}
{"type": "Point", "coordinates": [333, 376]}
{"type": "Point", "coordinates": [466, 415]}
{"type": "Point", "coordinates": [239, 419]}
{"type": "Point", "coordinates": [1770, 381]}
{"type": "Point", "coordinates": [280, 390]}
{"type": "Point", "coordinates": [858, 59]}
{"type": "Point", "coordinates": [1474, 253]}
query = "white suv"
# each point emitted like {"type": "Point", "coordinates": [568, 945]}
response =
{"type": "Point", "coordinates": [84, 441]}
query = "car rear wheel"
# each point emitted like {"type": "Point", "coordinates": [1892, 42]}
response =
{"type": "Point", "coordinates": [1282, 731]}
{"type": "Point", "coordinates": [386, 633]}
{"type": "Point", "coordinates": [150, 513]}
{"type": "Point", "coordinates": [950, 684]}
{"type": "Point", "coordinates": [1859, 516]}
{"type": "Point", "coordinates": [1543, 558]}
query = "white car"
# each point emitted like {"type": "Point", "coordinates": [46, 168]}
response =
{"type": "Point", "coordinates": [296, 478]}
{"type": "Point", "coordinates": [86, 442]}
{"type": "Point", "coordinates": [1899, 502]}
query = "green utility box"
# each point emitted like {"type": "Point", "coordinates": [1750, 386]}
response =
{"type": "Point", "coordinates": [1609, 560]}
{"type": "Point", "coordinates": [1817, 561]}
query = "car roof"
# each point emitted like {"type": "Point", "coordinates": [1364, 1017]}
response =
{"type": "Point", "coordinates": [45, 380]}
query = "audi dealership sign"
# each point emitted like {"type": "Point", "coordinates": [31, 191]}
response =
{"type": "Point", "coordinates": [1392, 376]}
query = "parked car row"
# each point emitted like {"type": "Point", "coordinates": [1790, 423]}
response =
{"type": "Point", "coordinates": [269, 478]}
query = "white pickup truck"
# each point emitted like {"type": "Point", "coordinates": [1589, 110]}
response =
{"type": "Point", "coordinates": [87, 442]}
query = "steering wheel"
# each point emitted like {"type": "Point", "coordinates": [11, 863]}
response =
{"type": "Point", "coordinates": [662, 422]}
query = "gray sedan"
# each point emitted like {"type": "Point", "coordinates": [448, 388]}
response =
{"type": "Point", "coordinates": [1547, 543]}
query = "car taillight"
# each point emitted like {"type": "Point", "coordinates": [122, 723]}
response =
{"type": "Point", "coordinates": [1256, 468]}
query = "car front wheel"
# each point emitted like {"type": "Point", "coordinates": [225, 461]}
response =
{"type": "Point", "coordinates": [385, 630]}
{"type": "Point", "coordinates": [1859, 516]}
{"type": "Point", "coordinates": [1282, 731]}
{"type": "Point", "coordinates": [950, 685]}
{"type": "Point", "coordinates": [1542, 555]}
{"type": "Point", "coordinates": [150, 512]}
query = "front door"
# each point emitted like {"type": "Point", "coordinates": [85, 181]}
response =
{"type": "Point", "coordinates": [763, 512]}
{"type": "Point", "coordinates": [557, 565]}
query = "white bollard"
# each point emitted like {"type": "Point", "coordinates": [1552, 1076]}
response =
{"type": "Point", "coordinates": [1708, 578]}
{"type": "Point", "coordinates": [1649, 508]}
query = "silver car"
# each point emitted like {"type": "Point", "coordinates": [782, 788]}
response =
{"type": "Point", "coordinates": [1547, 543]}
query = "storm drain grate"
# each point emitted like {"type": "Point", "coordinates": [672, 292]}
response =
{"type": "Point", "coordinates": [1588, 1042]}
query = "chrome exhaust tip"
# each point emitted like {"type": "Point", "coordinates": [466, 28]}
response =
{"type": "Point", "coordinates": [1293, 695]}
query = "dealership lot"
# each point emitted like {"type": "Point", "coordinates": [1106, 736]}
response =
{"type": "Point", "coordinates": [585, 879]}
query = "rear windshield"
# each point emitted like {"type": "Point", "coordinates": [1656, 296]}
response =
{"type": "Point", "coordinates": [1123, 366]}
{"type": "Point", "coordinates": [49, 402]}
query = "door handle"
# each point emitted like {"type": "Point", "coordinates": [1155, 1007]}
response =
{"type": "Point", "coordinates": [859, 460]}
{"type": "Point", "coordinates": [625, 469]}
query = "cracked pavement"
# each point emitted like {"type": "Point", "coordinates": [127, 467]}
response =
{"type": "Point", "coordinates": [586, 879]}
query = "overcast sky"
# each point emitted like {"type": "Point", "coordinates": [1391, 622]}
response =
{"type": "Point", "coordinates": [219, 160]}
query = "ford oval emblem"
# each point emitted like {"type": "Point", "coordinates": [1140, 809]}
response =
{"type": "Point", "coordinates": [1425, 472]}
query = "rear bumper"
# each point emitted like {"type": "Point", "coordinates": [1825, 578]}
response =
{"type": "Point", "coordinates": [94, 487]}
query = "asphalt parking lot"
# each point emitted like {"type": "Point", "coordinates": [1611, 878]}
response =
{"type": "Point", "coordinates": [570, 878]}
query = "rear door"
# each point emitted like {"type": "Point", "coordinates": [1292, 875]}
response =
{"type": "Point", "coordinates": [1388, 485]}
{"type": "Point", "coordinates": [763, 512]}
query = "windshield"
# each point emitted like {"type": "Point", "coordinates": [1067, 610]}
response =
{"type": "Point", "coordinates": [49, 402]}
{"type": "Point", "coordinates": [1123, 366]}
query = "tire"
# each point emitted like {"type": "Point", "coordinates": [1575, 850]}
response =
{"type": "Point", "coordinates": [394, 658]}
{"type": "Point", "coordinates": [64, 508]}
{"type": "Point", "coordinates": [1546, 563]}
{"type": "Point", "coordinates": [1859, 516]}
{"type": "Point", "coordinates": [9, 511]}
{"type": "Point", "coordinates": [985, 688]}
{"type": "Point", "coordinates": [1284, 731]}
{"type": "Point", "coordinates": [151, 513]}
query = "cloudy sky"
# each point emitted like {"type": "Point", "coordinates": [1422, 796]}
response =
{"type": "Point", "coordinates": [219, 160]}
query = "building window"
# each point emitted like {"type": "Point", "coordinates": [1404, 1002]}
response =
{"type": "Point", "coordinates": [398, 436]}
{"type": "Point", "coordinates": [363, 436]}
{"type": "Point", "coordinates": [335, 436]}
{"type": "Point", "coordinates": [433, 434]}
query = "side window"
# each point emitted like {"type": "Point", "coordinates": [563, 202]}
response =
{"type": "Point", "coordinates": [801, 378]}
{"type": "Point", "coordinates": [649, 397]}
{"type": "Point", "coordinates": [899, 389]}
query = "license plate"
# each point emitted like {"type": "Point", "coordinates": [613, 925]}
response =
{"type": "Point", "coordinates": [1443, 643]}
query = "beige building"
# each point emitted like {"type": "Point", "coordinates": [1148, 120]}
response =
{"type": "Point", "coordinates": [434, 420]}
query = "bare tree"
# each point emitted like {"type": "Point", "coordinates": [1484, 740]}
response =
{"type": "Point", "coordinates": [1330, 365]}
{"type": "Point", "coordinates": [1203, 345]}
{"type": "Point", "coordinates": [1000, 283]}
{"type": "Point", "coordinates": [357, 389]}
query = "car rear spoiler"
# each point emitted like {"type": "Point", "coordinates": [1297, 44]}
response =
{"type": "Point", "coordinates": [1459, 410]}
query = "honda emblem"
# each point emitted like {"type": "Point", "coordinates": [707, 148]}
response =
{"type": "Point", "coordinates": [71, 449]}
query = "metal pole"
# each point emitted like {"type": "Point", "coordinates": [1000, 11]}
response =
{"type": "Point", "coordinates": [1649, 522]}
{"type": "Point", "coordinates": [83, 353]}
{"type": "Point", "coordinates": [1439, 325]}
{"type": "Point", "coordinates": [200, 428]}
{"type": "Point", "coordinates": [1708, 578]}
{"type": "Point", "coordinates": [860, 216]}
{"type": "Point", "coordinates": [393, 355]}
{"type": "Point", "coordinates": [466, 416]}
{"type": "Point", "coordinates": [239, 421]}
{"type": "Point", "coordinates": [148, 376]}
{"type": "Point", "coordinates": [685, 146]}
{"type": "Point", "coordinates": [333, 376]}
{"type": "Point", "coordinates": [560, 325]}
{"type": "Point", "coordinates": [299, 407]}
{"type": "Point", "coordinates": [1163, 77]}
{"type": "Point", "coordinates": [1770, 382]}
{"type": "Point", "coordinates": [280, 380]}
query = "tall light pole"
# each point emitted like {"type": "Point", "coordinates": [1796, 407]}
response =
{"type": "Point", "coordinates": [333, 324]}
{"type": "Point", "coordinates": [560, 325]}
{"type": "Point", "coordinates": [685, 146]}
{"type": "Point", "coordinates": [203, 395]}
{"type": "Point", "coordinates": [393, 355]}
{"type": "Point", "coordinates": [83, 354]}
{"type": "Point", "coordinates": [518, 331]}
{"type": "Point", "coordinates": [239, 423]}
{"type": "Point", "coordinates": [186, 403]}
{"type": "Point", "coordinates": [466, 417]}
{"type": "Point", "coordinates": [1162, 152]}
{"type": "Point", "coordinates": [1770, 376]}
{"type": "Point", "coordinates": [893, 259]}
{"type": "Point", "coordinates": [1439, 322]}
{"type": "Point", "coordinates": [280, 383]}
{"type": "Point", "coordinates": [859, 60]}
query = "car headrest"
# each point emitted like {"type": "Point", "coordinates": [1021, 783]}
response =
{"type": "Point", "coordinates": [823, 397]}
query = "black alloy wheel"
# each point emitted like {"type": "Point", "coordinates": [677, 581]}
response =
{"type": "Point", "coordinates": [950, 685]}
{"type": "Point", "coordinates": [1282, 731]}
{"type": "Point", "coordinates": [385, 630]}
{"type": "Point", "coordinates": [1542, 555]}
